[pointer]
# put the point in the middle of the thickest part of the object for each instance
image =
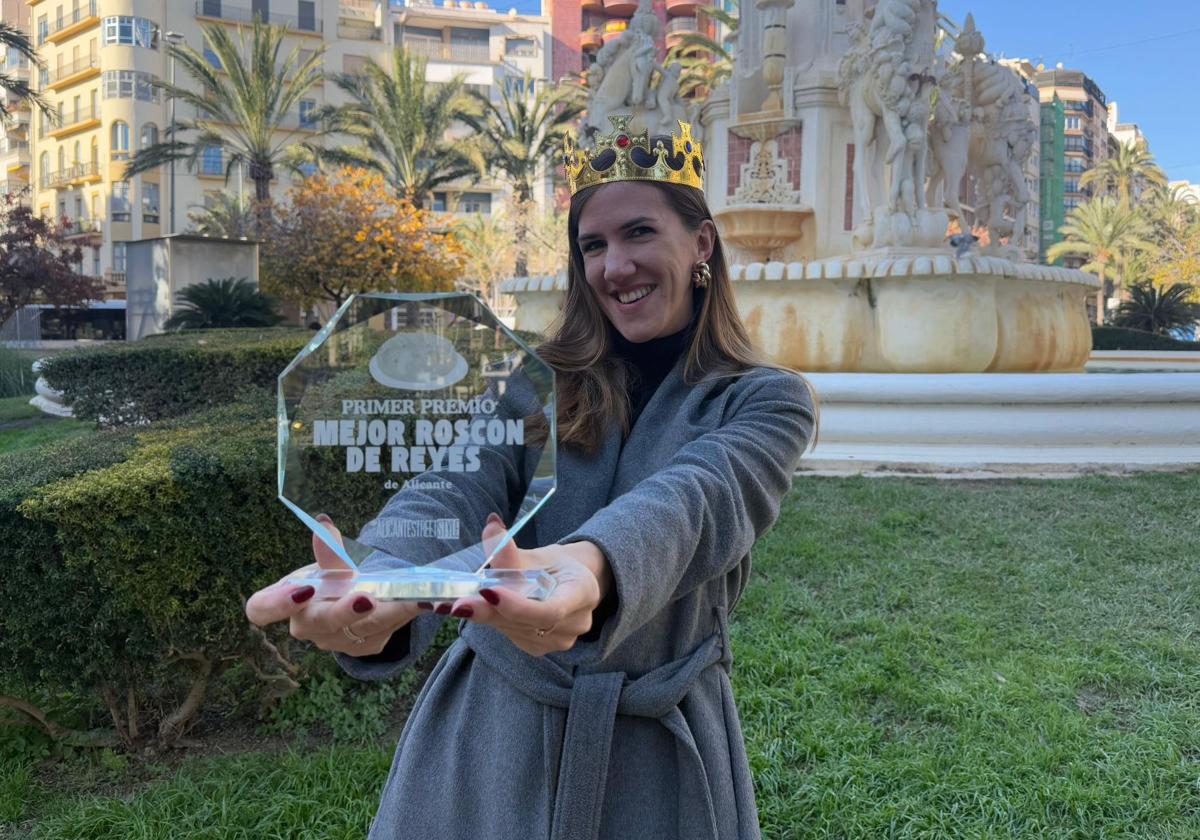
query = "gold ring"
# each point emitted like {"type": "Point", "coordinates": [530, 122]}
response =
{"type": "Point", "coordinates": [352, 636]}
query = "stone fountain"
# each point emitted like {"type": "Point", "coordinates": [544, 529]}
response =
{"type": "Point", "coordinates": [838, 154]}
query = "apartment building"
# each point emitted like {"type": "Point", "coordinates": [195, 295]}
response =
{"type": "Point", "coordinates": [1074, 139]}
{"type": "Point", "coordinates": [100, 59]}
{"type": "Point", "coordinates": [493, 50]}
{"type": "Point", "coordinates": [14, 132]}
{"type": "Point", "coordinates": [582, 27]}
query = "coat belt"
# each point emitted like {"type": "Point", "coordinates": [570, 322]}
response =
{"type": "Point", "coordinates": [592, 702]}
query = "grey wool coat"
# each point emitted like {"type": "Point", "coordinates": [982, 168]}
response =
{"type": "Point", "coordinates": [632, 733]}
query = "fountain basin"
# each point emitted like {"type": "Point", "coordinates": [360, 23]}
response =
{"type": "Point", "coordinates": [761, 229]}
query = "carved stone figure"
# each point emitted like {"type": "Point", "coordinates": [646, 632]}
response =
{"type": "Point", "coordinates": [886, 79]}
{"type": "Point", "coordinates": [982, 129]}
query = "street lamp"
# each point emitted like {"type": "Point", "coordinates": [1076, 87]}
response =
{"type": "Point", "coordinates": [174, 38]}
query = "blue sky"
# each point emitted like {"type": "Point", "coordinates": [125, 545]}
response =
{"type": "Point", "coordinates": [1142, 54]}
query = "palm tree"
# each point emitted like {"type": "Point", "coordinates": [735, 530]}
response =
{"type": "Point", "coordinates": [244, 108]}
{"type": "Point", "coordinates": [1104, 232]}
{"type": "Point", "coordinates": [517, 135]}
{"type": "Point", "coordinates": [13, 40]}
{"type": "Point", "coordinates": [1125, 172]}
{"type": "Point", "coordinates": [705, 64]}
{"type": "Point", "coordinates": [402, 126]}
{"type": "Point", "coordinates": [1158, 311]}
{"type": "Point", "coordinates": [228, 302]}
{"type": "Point", "coordinates": [226, 217]}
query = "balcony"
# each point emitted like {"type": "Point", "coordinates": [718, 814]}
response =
{"type": "Point", "coordinates": [353, 31]}
{"type": "Point", "coordinates": [679, 28]}
{"type": "Point", "coordinates": [363, 10]}
{"type": "Point", "coordinates": [613, 30]}
{"type": "Point", "coordinates": [71, 23]}
{"type": "Point", "coordinates": [684, 7]}
{"type": "Point", "coordinates": [10, 146]}
{"type": "Point", "coordinates": [78, 173]}
{"type": "Point", "coordinates": [13, 186]}
{"type": "Point", "coordinates": [596, 6]}
{"type": "Point", "coordinates": [221, 11]}
{"type": "Point", "coordinates": [81, 119]}
{"type": "Point", "coordinates": [83, 227]}
{"type": "Point", "coordinates": [590, 40]}
{"type": "Point", "coordinates": [623, 8]}
{"type": "Point", "coordinates": [441, 51]}
{"type": "Point", "coordinates": [79, 70]}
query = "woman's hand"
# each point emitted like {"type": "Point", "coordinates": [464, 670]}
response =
{"type": "Point", "coordinates": [355, 624]}
{"type": "Point", "coordinates": [540, 627]}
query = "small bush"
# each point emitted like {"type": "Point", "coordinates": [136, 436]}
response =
{"type": "Point", "coordinates": [170, 376]}
{"type": "Point", "coordinates": [16, 373]}
{"type": "Point", "coordinates": [1121, 338]}
{"type": "Point", "coordinates": [131, 554]}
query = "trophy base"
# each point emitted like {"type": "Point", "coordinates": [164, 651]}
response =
{"type": "Point", "coordinates": [423, 583]}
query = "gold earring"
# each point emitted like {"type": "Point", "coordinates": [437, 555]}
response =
{"type": "Point", "coordinates": [701, 275]}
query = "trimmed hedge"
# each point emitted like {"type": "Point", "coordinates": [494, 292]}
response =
{"type": "Point", "coordinates": [171, 375]}
{"type": "Point", "coordinates": [1120, 338]}
{"type": "Point", "coordinates": [128, 555]}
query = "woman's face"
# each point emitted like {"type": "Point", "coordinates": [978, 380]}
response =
{"type": "Point", "coordinates": [638, 258]}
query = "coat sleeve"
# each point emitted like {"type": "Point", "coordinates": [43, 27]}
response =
{"type": "Point", "coordinates": [498, 486]}
{"type": "Point", "coordinates": [697, 517]}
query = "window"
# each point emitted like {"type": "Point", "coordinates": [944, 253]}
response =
{"type": "Point", "coordinates": [118, 261]}
{"type": "Point", "coordinates": [308, 108]}
{"type": "Point", "coordinates": [439, 202]}
{"type": "Point", "coordinates": [211, 162]}
{"type": "Point", "coordinates": [354, 65]}
{"type": "Point", "coordinates": [520, 47]}
{"type": "Point", "coordinates": [1071, 185]}
{"type": "Point", "coordinates": [44, 169]}
{"type": "Point", "coordinates": [95, 262]}
{"type": "Point", "coordinates": [306, 18]}
{"type": "Point", "coordinates": [120, 209]}
{"type": "Point", "coordinates": [125, 30]}
{"type": "Point", "coordinates": [78, 159]}
{"type": "Point", "coordinates": [62, 159]}
{"type": "Point", "coordinates": [149, 136]}
{"type": "Point", "coordinates": [95, 152]}
{"type": "Point", "coordinates": [120, 140]}
{"type": "Point", "coordinates": [1073, 123]}
{"type": "Point", "coordinates": [211, 57]}
{"type": "Point", "coordinates": [130, 84]}
{"type": "Point", "coordinates": [150, 203]}
{"type": "Point", "coordinates": [43, 29]}
{"type": "Point", "coordinates": [476, 202]}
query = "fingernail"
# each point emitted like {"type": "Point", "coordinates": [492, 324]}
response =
{"type": "Point", "coordinates": [323, 518]}
{"type": "Point", "coordinates": [494, 519]}
{"type": "Point", "coordinates": [490, 595]}
{"type": "Point", "coordinates": [463, 612]}
{"type": "Point", "coordinates": [443, 609]}
{"type": "Point", "coordinates": [424, 605]}
{"type": "Point", "coordinates": [362, 604]}
{"type": "Point", "coordinates": [303, 594]}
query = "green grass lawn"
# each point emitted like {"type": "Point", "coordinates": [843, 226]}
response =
{"type": "Point", "coordinates": [22, 425]}
{"type": "Point", "coordinates": [914, 659]}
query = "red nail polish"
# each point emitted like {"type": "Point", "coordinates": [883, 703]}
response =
{"type": "Point", "coordinates": [490, 595]}
{"type": "Point", "coordinates": [443, 609]}
{"type": "Point", "coordinates": [303, 594]}
{"type": "Point", "coordinates": [494, 519]}
{"type": "Point", "coordinates": [362, 604]}
{"type": "Point", "coordinates": [424, 605]}
{"type": "Point", "coordinates": [463, 612]}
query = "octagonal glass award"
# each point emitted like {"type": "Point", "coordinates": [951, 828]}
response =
{"type": "Point", "coordinates": [405, 422]}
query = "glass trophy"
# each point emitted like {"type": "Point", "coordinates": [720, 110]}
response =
{"type": "Point", "coordinates": [406, 421]}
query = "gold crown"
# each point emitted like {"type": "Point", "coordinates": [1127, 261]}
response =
{"type": "Point", "coordinates": [624, 156]}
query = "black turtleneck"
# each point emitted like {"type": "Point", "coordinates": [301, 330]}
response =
{"type": "Point", "coordinates": [649, 363]}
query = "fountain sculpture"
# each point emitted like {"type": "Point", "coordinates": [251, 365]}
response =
{"type": "Point", "coordinates": [848, 139]}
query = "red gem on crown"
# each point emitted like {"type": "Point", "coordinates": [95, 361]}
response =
{"type": "Point", "coordinates": [623, 141]}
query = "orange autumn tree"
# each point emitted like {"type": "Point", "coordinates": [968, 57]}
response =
{"type": "Point", "coordinates": [347, 232]}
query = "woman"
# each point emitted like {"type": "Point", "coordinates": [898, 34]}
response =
{"type": "Point", "coordinates": [606, 710]}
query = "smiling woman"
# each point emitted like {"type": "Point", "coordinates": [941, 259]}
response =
{"type": "Point", "coordinates": [607, 709]}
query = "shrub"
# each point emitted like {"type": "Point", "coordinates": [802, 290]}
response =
{"type": "Point", "coordinates": [131, 554]}
{"type": "Point", "coordinates": [1121, 338]}
{"type": "Point", "coordinates": [16, 373]}
{"type": "Point", "coordinates": [169, 376]}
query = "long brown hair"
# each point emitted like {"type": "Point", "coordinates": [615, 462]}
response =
{"type": "Point", "coordinates": [592, 383]}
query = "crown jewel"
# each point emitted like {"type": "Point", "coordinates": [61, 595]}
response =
{"type": "Point", "coordinates": [625, 156]}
